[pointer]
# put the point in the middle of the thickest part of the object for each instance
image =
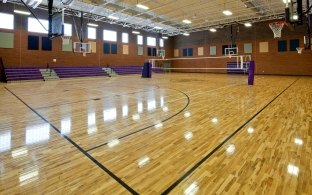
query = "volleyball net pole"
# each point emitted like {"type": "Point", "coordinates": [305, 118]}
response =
{"type": "Point", "coordinates": [241, 60]}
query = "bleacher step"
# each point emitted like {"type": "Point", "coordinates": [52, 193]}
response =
{"type": "Point", "coordinates": [49, 74]}
{"type": "Point", "coordinates": [110, 72]}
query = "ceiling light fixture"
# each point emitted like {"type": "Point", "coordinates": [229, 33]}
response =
{"type": "Point", "coordinates": [227, 12]}
{"type": "Point", "coordinates": [187, 21]}
{"type": "Point", "coordinates": [113, 17]}
{"type": "Point", "coordinates": [213, 30]}
{"type": "Point", "coordinates": [295, 17]}
{"type": "Point", "coordinates": [164, 37]}
{"type": "Point", "coordinates": [248, 24]}
{"type": "Point", "coordinates": [284, 1]}
{"type": "Point", "coordinates": [142, 6]}
{"type": "Point", "coordinates": [21, 12]}
{"type": "Point", "coordinates": [186, 34]}
{"type": "Point", "coordinates": [91, 24]}
{"type": "Point", "coordinates": [135, 32]}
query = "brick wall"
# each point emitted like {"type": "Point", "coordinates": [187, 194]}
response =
{"type": "Point", "coordinates": [272, 62]}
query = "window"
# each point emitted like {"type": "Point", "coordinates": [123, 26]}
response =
{"type": "Point", "coordinates": [140, 40]}
{"type": "Point", "coordinates": [113, 48]}
{"type": "Point", "coordinates": [190, 51]}
{"type": "Point", "coordinates": [68, 29]}
{"type": "Point", "coordinates": [161, 43]}
{"type": "Point", "coordinates": [106, 48]}
{"type": "Point", "coordinates": [293, 44]}
{"type": "Point", "coordinates": [109, 35]}
{"type": "Point", "coordinates": [282, 45]}
{"type": "Point", "coordinates": [184, 51]}
{"type": "Point", "coordinates": [35, 26]}
{"type": "Point", "coordinates": [151, 51]}
{"type": "Point", "coordinates": [187, 51]}
{"type": "Point", "coordinates": [125, 37]}
{"type": "Point", "coordinates": [91, 33]}
{"type": "Point", "coordinates": [7, 21]}
{"type": "Point", "coordinates": [46, 44]}
{"type": "Point", "coordinates": [33, 42]}
{"type": "Point", "coordinates": [110, 48]}
{"type": "Point", "coordinates": [151, 41]}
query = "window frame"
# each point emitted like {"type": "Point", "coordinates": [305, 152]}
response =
{"type": "Point", "coordinates": [4, 23]}
{"type": "Point", "coordinates": [71, 29]}
{"type": "Point", "coordinates": [140, 39]}
{"type": "Point", "coordinates": [88, 33]}
{"type": "Point", "coordinates": [43, 21]}
{"type": "Point", "coordinates": [161, 42]}
{"type": "Point", "coordinates": [125, 39]}
{"type": "Point", "coordinates": [109, 39]}
{"type": "Point", "coordinates": [151, 41]}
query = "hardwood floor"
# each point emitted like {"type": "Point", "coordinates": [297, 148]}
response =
{"type": "Point", "coordinates": [175, 133]}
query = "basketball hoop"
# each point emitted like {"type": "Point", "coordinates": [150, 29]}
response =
{"type": "Point", "coordinates": [299, 50]}
{"type": "Point", "coordinates": [65, 40]}
{"type": "Point", "coordinates": [161, 53]}
{"type": "Point", "coordinates": [277, 27]}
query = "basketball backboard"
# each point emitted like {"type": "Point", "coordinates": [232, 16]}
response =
{"type": "Point", "coordinates": [56, 24]}
{"type": "Point", "coordinates": [161, 53]}
{"type": "Point", "coordinates": [231, 51]}
{"type": "Point", "coordinates": [82, 47]}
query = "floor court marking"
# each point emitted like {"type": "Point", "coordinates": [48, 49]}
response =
{"type": "Point", "coordinates": [78, 147]}
{"type": "Point", "coordinates": [137, 131]}
{"type": "Point", "coordinates": [103, 144]}
{"type": "Point", "coordinates": [190, 171]}
{"type": "Point", "coordinates": [108, 171]}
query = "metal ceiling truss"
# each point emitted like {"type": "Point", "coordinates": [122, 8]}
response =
{"type": "Point", "coordinates": [148, 20]}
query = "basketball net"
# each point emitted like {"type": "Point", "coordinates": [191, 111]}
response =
{"type": "Point", "coordinates": [162, 56]}
{"type": "Point", "coordinates": [299, 50]}
{"type": "Point", "coordinates": [277, 27]}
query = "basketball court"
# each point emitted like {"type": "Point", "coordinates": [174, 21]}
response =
{"type": "Point", "coordinates": [230, 123]}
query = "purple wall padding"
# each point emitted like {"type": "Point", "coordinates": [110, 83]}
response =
{"type": "Point", "coordinates": [251, 73]}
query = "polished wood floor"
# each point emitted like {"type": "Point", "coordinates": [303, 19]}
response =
{"type": "Point", "coordinates": [172, 134]}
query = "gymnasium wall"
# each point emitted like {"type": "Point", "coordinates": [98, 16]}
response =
{"type": "Point", "coordinates": [271, 62]}
{"type": "Point", "coordinates": [20, 56]}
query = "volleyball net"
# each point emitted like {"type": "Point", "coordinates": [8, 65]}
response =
{"type": "Point", "coordinates": [228, 64]}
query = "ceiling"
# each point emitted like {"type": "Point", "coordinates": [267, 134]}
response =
{"type": "Point", "coordinates": [165, 16]}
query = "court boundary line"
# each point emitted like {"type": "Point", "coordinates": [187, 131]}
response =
{"type": "Point", "coordinates": [191, 170]}
{"type": "Point", "coordinates": [137, 131]}
{"type": "Point", "coordinates": [111, 174]}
